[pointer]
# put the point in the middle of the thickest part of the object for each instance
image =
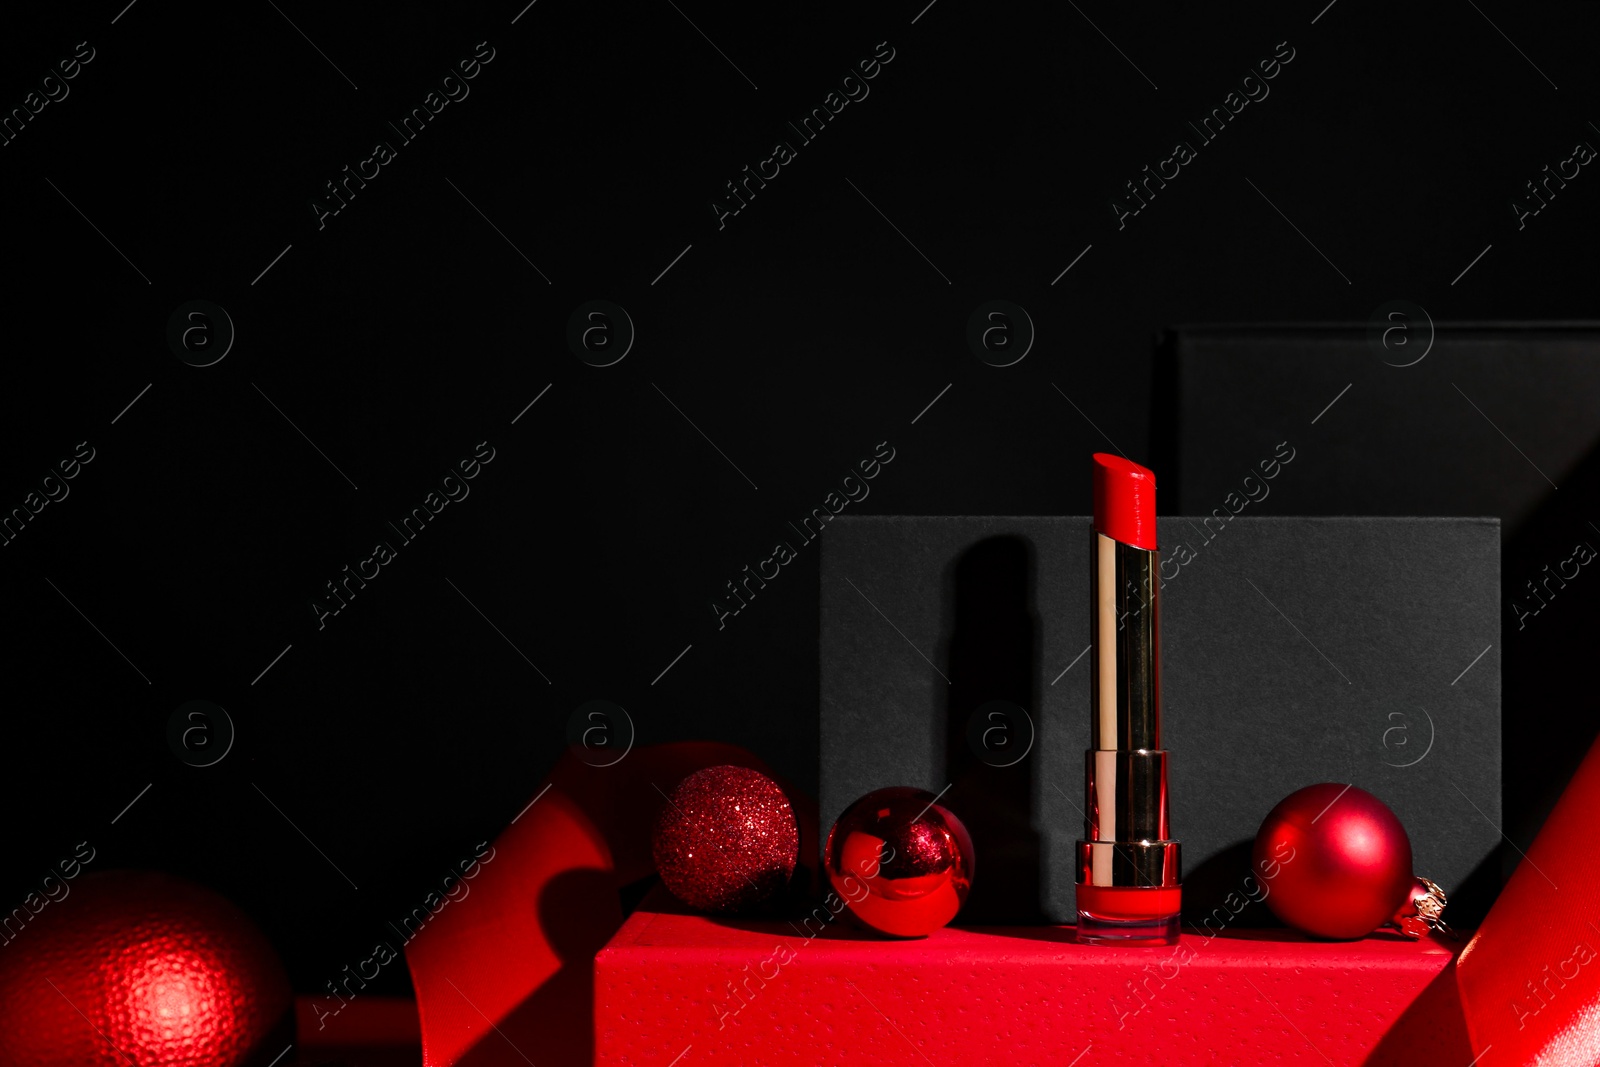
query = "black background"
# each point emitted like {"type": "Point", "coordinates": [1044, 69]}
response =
{"type": "Point", "coordinates": [796, 338]}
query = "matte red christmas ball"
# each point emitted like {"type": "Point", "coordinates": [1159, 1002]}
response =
{"type": "Point", "coordinates": [901, 863]}
{"type": "Point", "coordinates": [727, 839]}
{"type": "Point", "coordinates": [1335, 862]}
{"type": "Point", "coordinates": [121, 967]}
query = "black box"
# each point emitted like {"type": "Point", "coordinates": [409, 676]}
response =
{"type": "Point", "coordinates": [1294, 651]}
{"type": "Point", "coordinates": [1487, 423]}
{"type": "Point", "coordinates": [1444, 419]}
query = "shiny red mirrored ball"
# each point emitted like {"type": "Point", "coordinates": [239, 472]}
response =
{"type": "Point", "coordinates": [901, 863]}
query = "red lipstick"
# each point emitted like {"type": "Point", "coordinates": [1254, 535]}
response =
{"type": "Point", "coordinates": [1124, 501]}
{"type": "Point", "coordinates": [1128, 885]}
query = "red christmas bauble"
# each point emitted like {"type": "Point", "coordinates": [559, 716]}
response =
{"type": "Point", "coordinates": [901, 863]}
{"type": "Point", "coordinates": [727, 840]}
{"type": "Point", "coordinates": [137, 967]}
{"type": "Point", "coordinates": [1334, 861]}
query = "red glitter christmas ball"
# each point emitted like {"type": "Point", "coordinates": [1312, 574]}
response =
{"type": "Point", "coordinates": [135, 967]}
{"type": "Point", "coordinates": [727, 840]}
{"type": "Point", "coordinates": [1335, 860]}
{"type": "Point", "coordinates": [902, 863]}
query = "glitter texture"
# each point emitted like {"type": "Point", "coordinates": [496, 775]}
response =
{"type": "Point", "coordinates": [727, 839]}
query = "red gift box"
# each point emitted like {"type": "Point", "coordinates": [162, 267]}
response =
{"type": "Point", "coordinates": [674, 986]}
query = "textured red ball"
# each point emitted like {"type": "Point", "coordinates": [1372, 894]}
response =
{"type": "Point", "coordinates": [1334, 860]}
{"type": "Point", "coordinates": [142, 968]}
{"type": "Point", "coordinates": [902, 863]}
{"type": "Point", "coordinates": [727, 841]}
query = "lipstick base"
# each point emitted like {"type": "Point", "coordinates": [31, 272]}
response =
{"type": "Point", "coordinates": [1129, 932]}
{"type": "Point", "coordinates": [1132, 916]}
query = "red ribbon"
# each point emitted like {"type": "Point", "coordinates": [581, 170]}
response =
{"type": "Point", "coordinates": [505, 976]}
{"type": "Point", "coordinates": [1530, 978]}
{"type": "Point", "coordinates": [1526, 989]}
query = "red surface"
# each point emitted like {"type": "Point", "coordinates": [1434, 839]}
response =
{"type": "Point", "coordinates": [666, 983]}
{"type": "Point", "coordinates": [137, 967]}
{"type": "Point", "coordinates": [1433, 1030]}
{"type": "Point", "coordinates": [1124, 501]}
{"type": "Point", "coordinates": [1530, 979]}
